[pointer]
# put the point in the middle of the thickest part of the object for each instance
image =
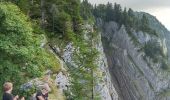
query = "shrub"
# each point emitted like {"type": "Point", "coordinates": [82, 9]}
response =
{"type": "Point", "coordinates": [21, 57]}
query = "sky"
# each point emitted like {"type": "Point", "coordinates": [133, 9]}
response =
{"type": "Point", "coordinates": [158, 8]}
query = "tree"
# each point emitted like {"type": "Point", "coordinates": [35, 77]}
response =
{"type": "Point", "coordinates": [109, 12]}
{"type": "Point", "coordinates": [125, 17]}
{"type": "Point", "coordinates": [83, 81]}
{"type": "Point", "coordinates": [131, 18]}
{"type": "Point", "coordinates": [145, 24]}
{"type": "Point", "coordinates": [73, 9]}
{"type": "Point", "coordinates": [117, 13]}
{"type": "Point", "coordinates": [99, 11]}
{"type": "Point", "coordinates": [86, 10]}
{"type": "Point", "coordinates": [21, 57]}
{"type": "Point", "coordinates": [153, 50]}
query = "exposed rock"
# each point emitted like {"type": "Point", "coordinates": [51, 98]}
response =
{"type": "Point", "coordinates": [62, 81]}
{"type": "Point", "coordinates": [68, 53]}
{"type": "Point", "coordinates": [134, 78]}
{"type": "Point", "coordinates": [105, 86]}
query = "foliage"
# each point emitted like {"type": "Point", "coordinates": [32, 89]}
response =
{"type": "Point", "coordinates": [61, 24]}
{"type": "Point", "coordinates": [21, 57]}
{"type": "Point", "coordinates": [27, 93]}
{"type": "Point", "coordinates": [50, 12]}
{"type": "Point", "coordinates": [20, 49]}
{"type": "Point", "coordinates": [123, 17]}
{"type": "Point", "coordinates": [83, 72]}
{"type": "Point", "coordinates": [153, 50]}
{"type": "Point", "coordinates": [86, 10]}
{"type": "Point", "coordinates": [144, 26]}
{"type": "Point", "coordinates": [63, 18]}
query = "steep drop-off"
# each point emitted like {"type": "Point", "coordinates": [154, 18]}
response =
{"type": "Point", "coordinates": [135, 75]}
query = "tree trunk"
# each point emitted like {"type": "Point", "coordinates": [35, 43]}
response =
{"type": "Point", "coordinates": [32, 2]}
{"type": "Point", "coordinates": [42, 14]}
{"type": "Point", "coordinates": [92, 96]}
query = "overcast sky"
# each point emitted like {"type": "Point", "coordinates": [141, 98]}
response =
{"type": "Point", "coordinates": [158, 8]}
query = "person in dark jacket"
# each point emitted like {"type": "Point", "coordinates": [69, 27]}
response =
{"type": "Point", "coordinates": [7, 92]}
{"type": "Point", "coordinates": [7, 95]}
{"type": "Point", "coordinates": [43, 94]}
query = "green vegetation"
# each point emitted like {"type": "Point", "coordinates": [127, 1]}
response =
{"type": "Point", "coordinates": [59, 20]}
{"type": "Point", "coordinates": [25, 23]}
{"type": "Point", "coordinates": [133, 23]}
{"type": "Point", "coordinates": [165, 93]}
{"type": "Point", "coordinates": [86, 10]}
{"type": "Point", "coordinates": [123, 17]}
{"type": "Point", "coordinates": [21, 58]}
{"type": "Point", "coordinates": [83, 72]}
{"type": "Point", "coordinates": [153, 50]}
{"type": "Point", "coordinates": [144, 26]}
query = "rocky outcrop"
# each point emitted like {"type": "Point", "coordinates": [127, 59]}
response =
{"type": "Point", "coordinates": [134, 77]}
{"type": "Point", "coordinates": [105, 86]}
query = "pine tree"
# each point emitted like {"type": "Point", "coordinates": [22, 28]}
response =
{"type": "Point", "coordinates": [109, 12]}
{"type": "Point", "coordinates": [145, 24]}
{"type": "Point", "coordinates": [86, 10]}
{"type": "Point", "coordinates": [117, 13]}
{"type": "Point", "coordinates": [21, 56]}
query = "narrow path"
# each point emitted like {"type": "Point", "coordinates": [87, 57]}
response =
{"type": "Point", "coordinates": [57, 96]}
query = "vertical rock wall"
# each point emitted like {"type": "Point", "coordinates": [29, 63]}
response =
{"type": "Point", "coordinates": [133, 77]}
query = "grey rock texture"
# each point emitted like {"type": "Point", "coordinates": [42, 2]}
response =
{"type": "Point", "coordinates": [156, 25]}
{"type": "Point", "coordinates": [104, 85]}
{"type": "Point", "coordinates": [133, 77]}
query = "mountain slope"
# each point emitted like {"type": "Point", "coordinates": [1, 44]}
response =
{"type": "Point", "coordinates": [135, 73]}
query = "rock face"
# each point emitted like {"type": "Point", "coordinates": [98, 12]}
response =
{"type": "Point", "coordinates": [105, 86]}
{"type": "Point", "coordinates": [134, 77]}
{"type": "Point", "coordinates": [62, 81]}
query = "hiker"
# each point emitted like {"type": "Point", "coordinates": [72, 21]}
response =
{"type": "Point", "coordinates": [8, 87]}
{"type": "Point", "coordinates": [43, 94]}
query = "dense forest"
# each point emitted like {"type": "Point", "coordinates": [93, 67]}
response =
{"type": "Point", "coordinates": [25, 23]}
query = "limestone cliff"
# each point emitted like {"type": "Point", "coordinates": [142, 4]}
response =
{"type": "Point", "coordinates": [135, 75]}
{"type": "Point", "coordinates": [104, 87]}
